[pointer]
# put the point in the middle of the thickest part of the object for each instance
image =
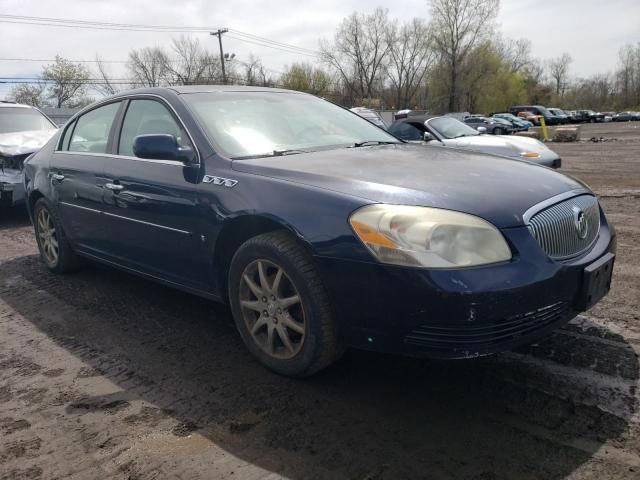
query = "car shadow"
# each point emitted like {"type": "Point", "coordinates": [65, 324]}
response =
{"type": "Point", "coordinates": [540, 412]}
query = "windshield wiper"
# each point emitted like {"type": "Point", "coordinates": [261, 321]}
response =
{"type": "Point", "coordinates": [366, 143]}
{"type": "Point", "coordinates": [273, 153]}
{"type": "Point", "coordinates": [292, 151]}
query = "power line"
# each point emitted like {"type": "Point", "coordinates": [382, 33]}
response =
{"type": "Point", "coordinates": [46, 80]}
{"type": "Point", "coordinates": [53, 60]}
{"type": "Point", "coordinates": [297, 52]}
{"type": "Point", "coordinates": [273, 42]}
{"type": "Point", "coordinates": [105, 24]}
{"type": "Point", "coordinates": [74, 23]}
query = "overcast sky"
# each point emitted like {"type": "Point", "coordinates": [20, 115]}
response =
{"type": "Point", "coordinates": [592, 31]}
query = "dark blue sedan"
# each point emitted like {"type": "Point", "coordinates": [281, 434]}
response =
{"type": "Point", "coordinates": [321, 230]}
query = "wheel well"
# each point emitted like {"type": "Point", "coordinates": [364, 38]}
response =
{"type": "Point", "coordinates": [33, 198]}
{"type": "Point", "coordinates": [233, 235]}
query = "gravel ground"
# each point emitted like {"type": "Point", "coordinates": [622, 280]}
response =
{"type": "Point", "coordinates": [104, 375]}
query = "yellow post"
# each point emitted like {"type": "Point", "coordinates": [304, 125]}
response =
{"type": "Point", "coordinates": [545, 134]}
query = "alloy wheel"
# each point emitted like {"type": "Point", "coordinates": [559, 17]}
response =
{"type": "Point", "coordinates": [47, 236]}
{"type": "Point", "coordinates": [272, 309]}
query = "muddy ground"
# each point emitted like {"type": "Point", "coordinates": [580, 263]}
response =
{"type": "Point", "coordinates": [104, 375]}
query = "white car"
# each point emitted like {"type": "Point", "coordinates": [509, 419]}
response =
{"type": "Point", "coordinates": [449, 132]}
{"type": "Point", "coordinates": [23, 131]}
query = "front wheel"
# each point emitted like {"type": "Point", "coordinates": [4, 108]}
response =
{"type": "Point", "coordinates": [54, 247]}
{"type": "Point", "coordinates": [498, 131]}
{"type": "Point", "coordinates": [280, 306]}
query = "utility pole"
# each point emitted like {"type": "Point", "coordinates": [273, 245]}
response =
{"type": "Point", "coordinates": [218, 34]}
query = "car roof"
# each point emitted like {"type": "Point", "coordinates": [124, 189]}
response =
{"type": "Point", "coordinates": [4, 103]}
{"type": "Point", "coordinates": [226, 88]}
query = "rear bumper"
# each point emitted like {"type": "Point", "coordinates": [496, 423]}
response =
{"type": "Point", "coordinates": [459, 313]}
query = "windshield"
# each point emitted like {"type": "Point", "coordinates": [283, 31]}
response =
{"type": "Point", "coordinates": [448, 127]}
{"type": "Point", "coordinates": [251, 124]}
{"type": "Point", "coordinates": [16, 119]}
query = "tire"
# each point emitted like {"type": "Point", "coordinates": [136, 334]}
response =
{"type": "Point", "coordinates": [315, 342]}
{"type": "Point", "coordinates": [55, 251]}
{"type": "Point", "coordinates": [498, 131]}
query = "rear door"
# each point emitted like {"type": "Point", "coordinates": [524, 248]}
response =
{"type": "Point", "coordinates": [77, 175]}
{"type": "Point", "coordinates": [151, 205]}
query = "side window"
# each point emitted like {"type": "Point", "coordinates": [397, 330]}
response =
{"type": "Point", "coordinates": [145, 117]}
{"type": "Point", "coordinates": [64, 144]}
{"type": "Point", "coordinates": [406, 131]}
{"type": "Point", "coordinates": [91, 132]}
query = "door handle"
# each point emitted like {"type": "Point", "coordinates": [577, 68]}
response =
{"type": "Point", "coordinates": [57, 177]}
{"type": "Point", "coordinates": [113, 186]}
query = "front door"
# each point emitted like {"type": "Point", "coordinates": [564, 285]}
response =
{"type": "Point", "coordinates": [150, 205]}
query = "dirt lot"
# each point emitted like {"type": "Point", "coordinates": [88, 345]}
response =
{"type": "Point", "coordinates": [104, 375]}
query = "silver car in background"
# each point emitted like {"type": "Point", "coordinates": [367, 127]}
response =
{"type": "Point", "coordinates": [23, 131]}
{"type": "Point", "coordinates": [450, 132]}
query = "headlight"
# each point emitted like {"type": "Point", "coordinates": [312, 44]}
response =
{"type": "Point", "coordinates": [428, 237]}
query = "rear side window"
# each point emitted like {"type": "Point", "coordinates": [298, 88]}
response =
{"type": "Point", "coordinates": [91, 132]}
{"type": "Point", "coordinates": [147, 117]}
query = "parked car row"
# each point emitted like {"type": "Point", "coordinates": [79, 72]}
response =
{"type": "Point", "coordinates": [626, 117]}
{"type": "Point", "coordinates": [557, 116]}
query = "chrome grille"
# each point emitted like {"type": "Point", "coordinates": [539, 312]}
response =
{"type": "Point", "coordinates": [555, 228]}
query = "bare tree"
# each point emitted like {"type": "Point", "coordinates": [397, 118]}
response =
{"type": "Point", "coordinates": [67, 81]}
{"type": "Point", "coordinates": [458, 26]}
{"type": "Point", "coordinates": [628, 75]}
{"type": "Point", "coordinates": [410, 56]}
{"type": "Point", "coordinates": [359, 51]}
{"type": "Point", "coordinates": [559, 72]}
{"type": "Point", "coordinates": [254, 72]}
{"type": "Point", "coordinates": [191, 64]}
{"type": "Point", "coordinates": [148, 67]}
{"type": "Point", "coordinates": [28, 94]}
{"type": "Point", "coordinates": [517, 53]}
{"type": "Point", "coordinates": [107, 86]}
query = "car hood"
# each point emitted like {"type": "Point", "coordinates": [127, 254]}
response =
{"type": "Point", "coordinates": [21, 143]}
{"type": "Point", "coordinates": [497, 189]}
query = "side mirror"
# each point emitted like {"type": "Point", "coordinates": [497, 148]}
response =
{"type": "Point", "coordinates": [161, 147]}
{"type": "Point", "coordinates": [427, 137]}
{"type": "Point", "coordinates": [482, 130]}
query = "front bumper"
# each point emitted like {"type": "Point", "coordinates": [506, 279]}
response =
{"type": "Point", "coordinates": [459, 313]}
{"type": "Point", "coordinates": [11, 187]}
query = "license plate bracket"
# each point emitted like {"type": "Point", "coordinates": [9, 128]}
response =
{"type": "Point", "coordinates": [596, 281]}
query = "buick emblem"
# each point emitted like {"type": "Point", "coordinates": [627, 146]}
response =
{"type": "Point", "coordinates": [580, 222]}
